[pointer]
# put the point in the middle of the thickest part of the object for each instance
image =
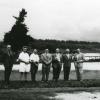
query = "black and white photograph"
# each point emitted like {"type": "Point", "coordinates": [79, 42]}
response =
{"type": "Point", "coordinates": [49, 49]}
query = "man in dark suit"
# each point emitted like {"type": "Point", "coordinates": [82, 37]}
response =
{"type": "Point", "coordinates": [67, 58]}
{"type": "Point", "coordinates": [56, 64]}
{"type": "Point", "coordinates": [8, 60]}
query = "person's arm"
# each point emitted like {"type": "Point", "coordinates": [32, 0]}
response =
{"type": "Point", "coordinates": [82, 58]}
{"type": "Point", "coordinates": [20, 59]}
{"type": "Point", "coordinates": [50, 60]}
{"type": "Point", "coordinates": [42, 59]}
{"type": "Point", "coordinates": [31, 58]}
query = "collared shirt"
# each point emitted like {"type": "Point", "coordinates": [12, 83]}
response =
{"type": "Point", "coordinates": [24, 56]}
{"type": "Point", "coordinates": [68, 56]}
{"type": "Point", "coordinates": [34, 57]}
{"type": "Point", "coordinates": [46, 57]}
{"type": "Point", "coordinates": [58, 56]}
{"type": "Point", "coordinates": [79, 57]}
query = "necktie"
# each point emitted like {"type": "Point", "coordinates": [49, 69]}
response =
{"type": "Point", "coordinates": [9, 52]}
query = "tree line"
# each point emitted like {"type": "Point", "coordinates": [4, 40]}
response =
{"type": "Point", "coordinates": [18, 37]}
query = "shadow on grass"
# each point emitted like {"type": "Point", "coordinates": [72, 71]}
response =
{"type": "Point", "coordinates": [51, 84]}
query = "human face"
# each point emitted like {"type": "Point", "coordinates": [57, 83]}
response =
{"type": "Point", "coordinates": [46, 51]}
{"type": "Point", "coordinates": [67, 50]}
{"type": "Point", "coordinates": [57, 50]}
{"type": "Point", "coordinates": [35, 51]}
{"type": "Point", "coordinates": [78, 50]}
{"type": "Point", "coordinates": [24, 49]}
{"type": "Point", "coordinates": [8, 47]}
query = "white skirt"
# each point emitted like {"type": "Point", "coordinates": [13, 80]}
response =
{"type": "Point", "coordinates": [24, 67]}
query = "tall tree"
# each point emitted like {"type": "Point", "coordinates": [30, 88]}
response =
{"type": "Point", "coordinates": [17, 36]}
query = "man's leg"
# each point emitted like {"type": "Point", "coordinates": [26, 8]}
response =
{"type": "Point", "coordinates": [6, 75]}
{"type": "Point", "coordinates": [58, 70]}
{"type": "Point", "coordinates": [65, 72]}
{"type": "Point", "coordinates": [54, 72]}
{"type": "Point", "coordinates": [80, 71]}
{"type": "Point", "coordinates": [8, 70]}
{"type": "Point", "coordinates": [21, 75]}
{"type": "Point", "coordinates": [34, 72]}
{"type": "Point", "coordinates": [25, 76]}
{"type": "Point", "coordinates": [43, 73]}
{"type": "Point", "coordinates": [9, 73]}
{"type": "Point", "coordinates": [77, 71]}
{"type": "Point", "coordinates": [47, 73]}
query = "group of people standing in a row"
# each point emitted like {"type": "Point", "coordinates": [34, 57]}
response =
{"type": "Point", "coordinates": [29, 63]}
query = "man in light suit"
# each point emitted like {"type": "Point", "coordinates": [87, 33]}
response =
{"type": "Point", "coordinates": [8, 60]}
{"type": "Point", "coordinates": [46, 64]}
{"type": "Point", "coordinates": [56, 64]}
{"type": "Point", "coordinates": [78, 62]}
{"type": "Point", "coordinates": [67, 58]}
{"type": "Point", "coordinates": [34, 60]}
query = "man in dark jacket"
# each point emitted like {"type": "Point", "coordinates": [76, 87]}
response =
{"type": "Point", "coordinates": [67, 57]}
{"type": "Point", "coordinates": [8, 60]}
{"type": "Point", "coordinates": [56, 64]}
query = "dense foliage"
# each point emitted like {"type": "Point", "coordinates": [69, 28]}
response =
{"type": "Point", "coordinates": [17, 36]}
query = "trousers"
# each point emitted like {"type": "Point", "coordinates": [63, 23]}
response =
{"type": "Point", "coordinates": [34, 69]}
{"type": "Point", "coordinates": [7, 73]}
{"type": "Point", "coordinates": [66, 69]}
{"type": "Point", "coordinates": [45, 72]}
{"type": "Point", "coordinates": [79, 70]}
{"type": "Point", "coordinates": [56, 70]}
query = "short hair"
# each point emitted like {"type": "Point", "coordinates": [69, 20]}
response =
{"type": "Point", "coordinates": [57, 49]}
{"type": "Point", "coordinates": [25, 47]}
{"type": "Point", "coordinates": [8, 45]}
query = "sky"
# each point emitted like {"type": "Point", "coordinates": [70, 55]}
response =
{"type": "Point", "coordinates": [54, 19]}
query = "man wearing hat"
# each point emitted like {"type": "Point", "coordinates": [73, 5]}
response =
{"type": "Point", "coordinates": [67, 58]}
{"type": "Point", "coordinates": [46, 59]}
{"type": "Point", "coordinates": [56, 64]}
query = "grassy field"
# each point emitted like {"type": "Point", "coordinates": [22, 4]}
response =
{"type": "Point", "coordinates": [90, 79]}
{"type": "Point", "coordinates": [44, 91]}
{"type": "Point", "coordinates": [87, 74]}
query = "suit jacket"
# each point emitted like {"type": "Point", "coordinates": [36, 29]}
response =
{"type": "Point", "coordinates": [46, 58]}
{"type": "Point", "coordinates": [79, 58]}
{"type": "Point", "coordinates": [67, 59]}
{"type": "Point", "coordinates": [8, 58]}
{"type": "Point", "coordinates": [56, 59]}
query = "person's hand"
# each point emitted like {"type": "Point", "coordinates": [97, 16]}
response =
{"type": "Point", "coordinates": [26, 62]}
{"type": "Point", "coordinates": [31, 61]}
{"type": "Point", "coordinates": [17, 60]}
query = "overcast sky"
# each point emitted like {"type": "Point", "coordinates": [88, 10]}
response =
{"type": "Point", "coordinates": [54, 19]}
